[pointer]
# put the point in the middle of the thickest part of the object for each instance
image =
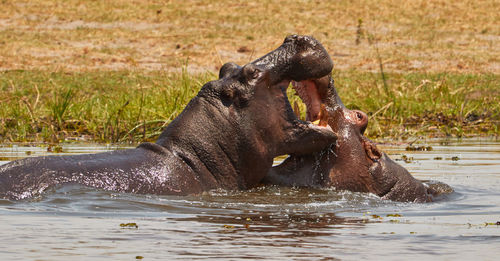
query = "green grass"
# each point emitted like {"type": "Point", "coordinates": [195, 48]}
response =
{"type": "Point", "coordinates": [430, 104]}
{"type": "Point", "coordinates": [131, 106]}
{"type": "Point", "coordinates": [104, 107]}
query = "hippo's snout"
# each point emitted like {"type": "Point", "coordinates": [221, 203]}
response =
{"type": "Point", "coordinates": [301, 41]}
{"type": "Point", "coordinates": [299, 58]}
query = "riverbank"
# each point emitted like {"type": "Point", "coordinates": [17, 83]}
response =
{"type": "Point", "coordinates": [130, 106]}
{"type": "Point", "coordinates": [120, 71]}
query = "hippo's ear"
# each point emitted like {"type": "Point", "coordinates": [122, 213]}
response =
{"type": "Point", "coordinates": [252, 73]}
{"type": "Point", "coordinates": [227, 69]}
{"type": "Point", "coordinates": [372, 152]}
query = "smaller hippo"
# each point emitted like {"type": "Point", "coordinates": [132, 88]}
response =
{"type": "Point", "coordinates": [225, 138]}
{"type": "Point", "coordinates": [352, 163]}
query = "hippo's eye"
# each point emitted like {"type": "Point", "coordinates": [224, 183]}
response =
{"type": "Point", "coordinates": [251, 72]}
{"type": "Point", "coordinates": [254, 73]}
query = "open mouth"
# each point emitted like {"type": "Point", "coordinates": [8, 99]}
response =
{"type": "Point", "coordinates": [313, 95]}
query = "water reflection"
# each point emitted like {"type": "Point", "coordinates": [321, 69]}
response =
{"type": "Point", "coordinates": [289, 225]}
{"type": "Point", "coordinates": [293, 212]}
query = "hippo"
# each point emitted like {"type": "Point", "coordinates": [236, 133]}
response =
{"type": "Point", "coordinates": [353, 162]}
{"type": "Point", "coordinates": [225, 138]}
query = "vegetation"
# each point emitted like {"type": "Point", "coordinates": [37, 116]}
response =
{"type": "Point", "coordinates": [132, 107]}
{"type": "Point", "coordinates": [429, 104]}
{"type": "Point", "coordinates": [119, 71]}
{"type": "Point", "coordinates": [96, 106]}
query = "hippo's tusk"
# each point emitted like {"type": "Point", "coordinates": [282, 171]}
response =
{"type": "Point", "coordinates": [296, 109]}
{"type": "Point", "coordinates": [323, 116]}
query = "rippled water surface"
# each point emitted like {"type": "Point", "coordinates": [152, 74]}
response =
{"type": "Point", "coordinates": [269, 222]}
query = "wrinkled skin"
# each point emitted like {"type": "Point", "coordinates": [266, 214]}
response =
{"type": "Point", "coordinates": [226, 137]}
{"type": "Point", "coordinates": [352, 163]}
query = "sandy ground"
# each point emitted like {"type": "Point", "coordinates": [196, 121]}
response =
{"type": "Point", "coordinates": [422, 36]}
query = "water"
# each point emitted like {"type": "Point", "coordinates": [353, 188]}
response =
{"type": "Point", "coordinates": [268, 223]}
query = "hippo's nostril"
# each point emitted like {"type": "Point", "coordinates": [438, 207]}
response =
{"type": "Point", "coordinates": [291, 38]}
{"type": "Point", "coordinates": [359, 115]}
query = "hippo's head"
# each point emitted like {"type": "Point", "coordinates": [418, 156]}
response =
{"type": "Point", "coordinates": [250, 103]}
{"type": "Point", "coordinates": [354, 162]}
{"type": "Point", "coordinates": [260, 88]}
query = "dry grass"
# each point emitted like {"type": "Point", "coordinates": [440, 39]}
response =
{"type": "Point", "coordinates": [121, 70]}
{"type": "Point", "coordinates": [77, 35]}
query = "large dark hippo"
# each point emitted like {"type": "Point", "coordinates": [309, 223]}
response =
{"type": "Point", "coordinates": [352, 163]}
{"type": "Point", "coordinates": [226, 137]}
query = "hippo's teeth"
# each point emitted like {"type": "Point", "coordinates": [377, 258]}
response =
{"type": "Point", "coordinates": [323, 116]}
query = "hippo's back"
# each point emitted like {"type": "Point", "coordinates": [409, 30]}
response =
{"type": "Point", "coordinates": [146, 169]}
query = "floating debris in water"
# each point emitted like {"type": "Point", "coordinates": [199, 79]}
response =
{"type": "Point", "coordinates": [455, 158]}
{"type": "Point", "coordinates": [394, 215]}
{"type": "Point", "coordinates": [418, 148]}
{"type": "Point", "coordinates": [55, 149]}
{"type": "Point", "coordinates": [485, 224]}
{"type": "Point", "coordinates": [228, 227]}
{"type": "Point", "coordinates": [438, 158]}
{"type": "Point", "coordinates": [139, 257]}
{"type": "Point", "coordinates": [406, 159]}
{"type": "Point", "coordinates": [129, 225]}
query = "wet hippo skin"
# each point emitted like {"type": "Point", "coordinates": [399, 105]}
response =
{"type": "Point", "coordinates": [353, 162]}
{"type": "Point", "coordinates": [226, 137]}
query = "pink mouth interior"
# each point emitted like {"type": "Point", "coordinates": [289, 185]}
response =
{"type": "Point", "coordinates": [308, 92]}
